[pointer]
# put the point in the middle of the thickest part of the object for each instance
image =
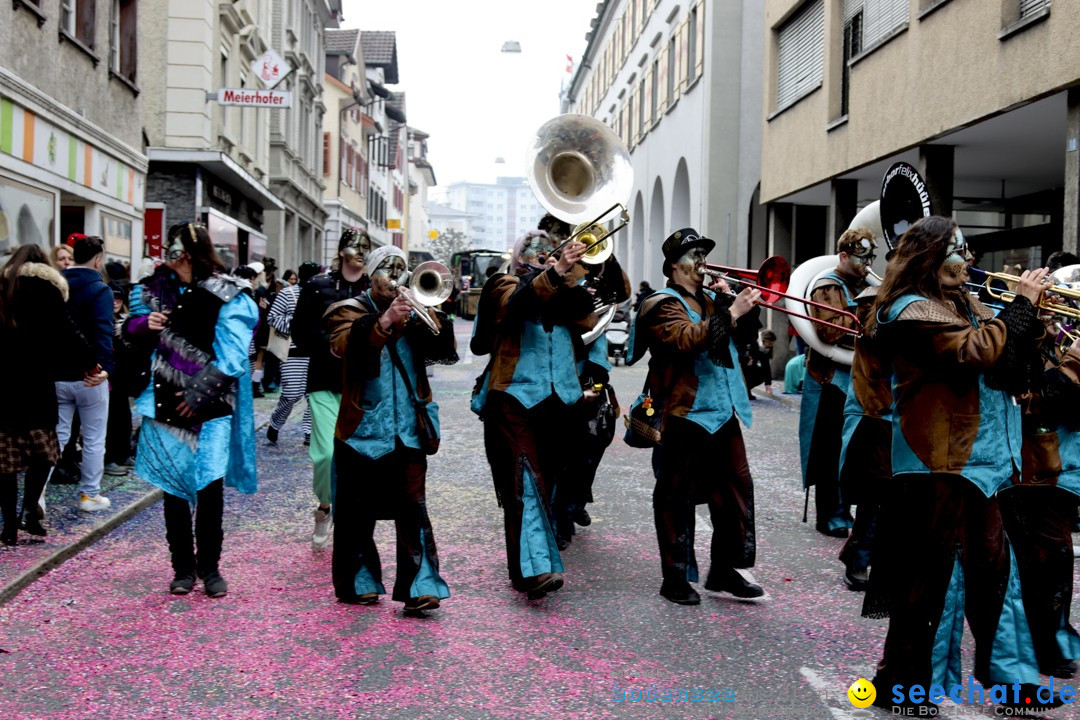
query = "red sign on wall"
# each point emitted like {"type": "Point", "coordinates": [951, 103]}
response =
{"type": "Point", "coordinates": [153, 230]}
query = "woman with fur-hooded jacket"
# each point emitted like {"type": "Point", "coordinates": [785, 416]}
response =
{"type": "Point", "coordinates": [35, 330]}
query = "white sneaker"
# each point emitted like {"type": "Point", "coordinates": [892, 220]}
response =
{"type": "Point", "coordinates": [93, 504]}
{"type": "Point", "coordinates": [324, 520]}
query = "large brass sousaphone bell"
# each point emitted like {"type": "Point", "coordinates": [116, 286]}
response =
{"type": "Point", "coordinates": [576, 166]}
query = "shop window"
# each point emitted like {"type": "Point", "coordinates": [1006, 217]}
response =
{"type": "Point", "coordinates": [123, 40]}
{"type": "Point", "coordinates": [116, 232]}
{"type": "Point", "coordinates": [27, 215]}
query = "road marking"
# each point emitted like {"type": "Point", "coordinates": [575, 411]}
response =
{"type": "Point", "coordinates": [826, 691]}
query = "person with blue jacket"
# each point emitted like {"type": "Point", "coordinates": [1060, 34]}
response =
{"type": "Point", "coordinates": [530, 321]}
{"type": "Point", "coordinates": [956, 441]}
{"type": "Point", "coordinates": [90, 305]}
{"type": "Point", "coordinates": [386, 427]}
{"type": "Point", "coordinates": [696, 382]}
{"type": "Point", "coordinates": [198, 430]}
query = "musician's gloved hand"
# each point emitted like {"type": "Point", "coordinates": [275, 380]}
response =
{"type": "Point", "coordinates": [396, 313]}
{"type": "Point", "coordinates": [1032, 285]}
{"type": "Point", "coordinates": [571, 254]}
{"type": "Point", "coordinates": [719, 285]}
{"type": "Point", "coordinates": [744, 302]}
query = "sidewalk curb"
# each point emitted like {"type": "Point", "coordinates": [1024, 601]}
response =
{"type": "Point", "coordinates": [95, 533]}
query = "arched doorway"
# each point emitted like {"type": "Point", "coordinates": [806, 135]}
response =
{"type": "Point", "coordinates": [635, 239]}
{"type": "Point", "coordinates": [680, 198]}
{"type": "Point", "coordinates": [657, 233]}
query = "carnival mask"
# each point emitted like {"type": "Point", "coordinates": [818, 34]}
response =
{"type": "Point", "coordinates": [536, 250]}
{"type": "Point", "coordinates": [356, 246]}
{"type": "Point", "coordinates": [957, 257]}
{"type": "Point", "coordinates": [692, 262]}
{"type": "Point", "coordinates": [391, 269]}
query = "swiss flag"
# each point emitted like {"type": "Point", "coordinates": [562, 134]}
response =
{"type": "Point", "coordinates": [569, 64]}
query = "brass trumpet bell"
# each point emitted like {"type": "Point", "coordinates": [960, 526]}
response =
{"type": "Point", "coordinates": [598, 245]}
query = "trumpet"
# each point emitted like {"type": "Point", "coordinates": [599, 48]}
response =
{"type": "Point", "coordinates": [430, 285]}
{"type": "Point", "coordinates": [772, 280]}
{"type": "Point", "coordinates": [1045, 303]}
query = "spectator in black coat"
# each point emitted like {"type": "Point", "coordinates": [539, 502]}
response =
{"type": "Point", "coordinates": [35, 332]}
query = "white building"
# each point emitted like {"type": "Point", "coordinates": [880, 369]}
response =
{"type": "Point", "coordinates": [500, 213]}
{"type": "Point", "coordinates": [208, 162]}
{"type": "Point", "coordinates": [296, 151]}
{"type": "Point", "coordinates": [680, 82]}
{"type": "Point", "coordinates": [421, 178]}
{"type": "Point", "coordinates": [71, 157]}
{"type": "Point", "coordinates": [444, 218]}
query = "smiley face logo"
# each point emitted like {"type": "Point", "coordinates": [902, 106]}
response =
{"type": "Point", "coordinates": [862, 693]}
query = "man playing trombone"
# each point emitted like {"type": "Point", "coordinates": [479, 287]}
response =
{"type": "Point", "coordinates": [530, 320]}
{"type": "Point", "coordinates": [694, 376]}
{"type": "Point", "coordinates": [386, 426]}
{"type": "Point", "coordinates": [825, 387]}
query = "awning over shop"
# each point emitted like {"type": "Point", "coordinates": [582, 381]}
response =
{"type": "Point", "coordinates": [223, 167]}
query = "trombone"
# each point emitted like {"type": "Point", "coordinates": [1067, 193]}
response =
{"type": "Point", "coordinates": [595, 236]}
{"type": "Point", "coordinates": [430, 285]}
{"type": "Point", "coordinates": [1045, 303]}
{"type": "Point", "coordinates": [772, 279]}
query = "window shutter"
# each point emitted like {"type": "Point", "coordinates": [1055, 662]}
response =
{"type": "Point", "coordinates": [644, 121]}
{"type": "Point", "coordinates": [683, 78]}
{"type": "Point", "coordinates": [635, 115]}
{"type": "Point", "coordinates": [699, 69]}
{"type": "Point", "coordinates": [350, 155]}
{"type": "Point", "coordinates": [1030, 7]}
{"type": "Point", "coordinates": [129, 27]}
{"type": "Point", "coordinates": [84, 22]}
{"type": "Point", "coordinates": [881, 17]}
{"type": "Point", "coordinates": [801, 61]}
{"type": "Point", "coordinates": [326, 154]}
{"type": "Point", "coordinates": [662, 76]}
{"type": "Point", "coordinates": [647, 101]}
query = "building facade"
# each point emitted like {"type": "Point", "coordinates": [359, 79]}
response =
{"type": "Point", "coordinates": [387, 142]}
{"type": "Point", "coordinates": [496, 214]}
{"type": "Point", "coordinates": [345, 138]}
{"type": "Point", "coordinates": [296, 172]}
{"type": "Point", "coordinates": [983, 98]}
{"type": "Point", "coordinates": [681, 85]}
{"type": "Point", "coordinates": [421, 179]}
{"type": "Point", "coordinates": [208, 162]}
{"type": "Point", "coordinates": [71, 153]}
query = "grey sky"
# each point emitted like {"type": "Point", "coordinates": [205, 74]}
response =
{"type": "Point", "coordinates": [476, 102]}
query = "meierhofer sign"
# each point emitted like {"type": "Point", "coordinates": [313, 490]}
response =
{"type": "Point", "coordinates": [254, 98]}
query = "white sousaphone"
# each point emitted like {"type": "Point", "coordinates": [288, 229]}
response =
{"type": "Point", "coordinates": [580, 171]}
{"type": "Point", "coordinates": [904, 200]}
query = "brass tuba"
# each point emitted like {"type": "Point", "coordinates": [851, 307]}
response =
{"type": "Point", "coordinates": [579, 170]}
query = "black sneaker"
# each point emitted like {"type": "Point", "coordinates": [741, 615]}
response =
{"type": "Point", "coordinates": [562, 542]}
{"type": "Point", "coordinates": [215, 585]}
{"type": "Point", "coordinates": [182, 584]}
{"type": "Point", "coordinates": [307, 439]}
{"type": "Point", "coordinates": [582, 517]}
{"type": "Point", "coordinates": [679, 592]}
{"type": "Point", "coordinates": [731, 581]}
{"type": "Point", "coordinates": [1066, 670]}
{"type": "Point", "coordinates": [271, 434]}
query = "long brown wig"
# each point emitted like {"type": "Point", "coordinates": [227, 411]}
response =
{"type": "Point", "coordinates": [914, 267]}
